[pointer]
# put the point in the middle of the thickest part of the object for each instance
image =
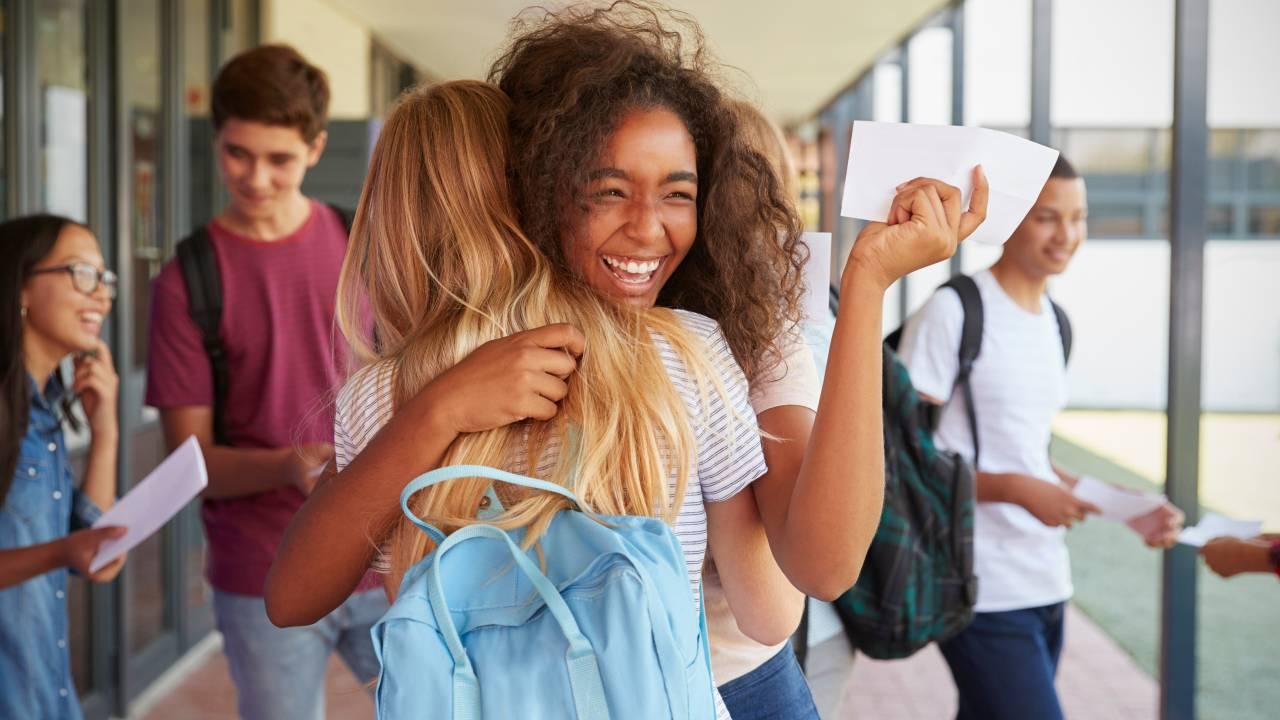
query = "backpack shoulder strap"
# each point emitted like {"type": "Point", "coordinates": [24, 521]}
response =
{"type": "Point", "coordinates": [1064, 329]}
{"type": "Point", "coordinates": [204, 300]}
{"type": "Point", "coordinates": [970, 345]}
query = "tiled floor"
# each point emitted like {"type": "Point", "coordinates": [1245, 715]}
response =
{"type": "Point", "coordinates": [207, 694]}
{"type": "Point", "coordinates": [1097, 681]}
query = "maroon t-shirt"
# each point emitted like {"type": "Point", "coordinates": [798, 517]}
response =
{"type": "Point", "coordinates": [285, 360]}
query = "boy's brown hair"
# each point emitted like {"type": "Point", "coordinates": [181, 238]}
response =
{"type": "Point", "coordinates": [272, 85]}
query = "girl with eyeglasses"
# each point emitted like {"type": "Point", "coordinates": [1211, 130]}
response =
{"type": "Point", "coordinates": [54, 296]}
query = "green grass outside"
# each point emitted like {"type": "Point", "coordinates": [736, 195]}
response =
{"type": "Point", "coordinates": [1117, 583]}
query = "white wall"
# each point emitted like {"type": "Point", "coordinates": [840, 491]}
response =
{"type": "Point", "coordinates": [1117, 293]}
{"type": "Point", "coordinates": [1119, 73]}
{"type": "Point", "coordinates": [1243, 56]}
{"type": "Point", "coordinates": [333, 41]}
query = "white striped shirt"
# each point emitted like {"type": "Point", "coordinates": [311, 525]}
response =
{"type": "Point", "coordinates": [727, 441]}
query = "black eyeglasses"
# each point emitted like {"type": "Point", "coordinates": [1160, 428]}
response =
{"type": "Point", "coordinates": [85, 277]}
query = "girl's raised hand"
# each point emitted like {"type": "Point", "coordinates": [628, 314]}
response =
{"type": "Point", "coordinates": [518, 377]}
{"type": "Point", "coordinates": [926, 224]}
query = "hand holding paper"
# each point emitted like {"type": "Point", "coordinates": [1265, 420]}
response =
{"type": "Point", "coordinates": [884, 155]}
{"type": "Point", "coordinates": [1212, 525]}
{"type": "Point", "coordinates": [154, 501]}
{"type": "Point", "coordinates": [1116, 504]}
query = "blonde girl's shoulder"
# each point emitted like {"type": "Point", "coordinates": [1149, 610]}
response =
{"type": "Point", "coordinates": [700, 325]}
{"type": "Point", "coordinates": [364, 404]}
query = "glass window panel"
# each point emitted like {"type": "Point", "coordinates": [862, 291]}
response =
{"type": "Point", "coordinates": [62, 80]}
{"type": "Point", "coordinates": [997, 63]}
{"type": "Point", "coordinates": [140, 106]}
{"type": "Point", "coordinates": [1221, 219]}
{"type": "Point", "coordinates": [1108, 220]}
{"type": "Point", "coordinates": [1110, 160]}
{"type": "Point", "coordinates": [1264, 222]}
{"type": "Point", "coordinates": [201, 173]}
{"type": "Point", "coordinates": [1240, 391]}
{"type": "Point", "coordinates": [1117, 73]}
{"type": "Point", "coordinates": [929, 53]}
{"type": "Point", "coordinates": [1224, 160]}
{"type": "Point", "coordinates": [887, 89]}
{"type": "Point", "coordinates": [1261, 150]}
{"type": "Point", "coordinates": [142, 157]}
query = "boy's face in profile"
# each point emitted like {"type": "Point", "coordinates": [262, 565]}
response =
{"type": "Point", "coordinates": [1049, 236]}
{"type": "Point", "coordinates": [263, 165]}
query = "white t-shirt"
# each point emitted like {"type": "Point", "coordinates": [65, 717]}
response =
{"type": "Point", "coordinates": [793, 382]}
{"type": "Point", "coordinates": [1019, 384]}
{"type": "Point", "coordinates": [728, 459]}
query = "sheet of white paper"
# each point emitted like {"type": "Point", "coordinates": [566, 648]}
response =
{"type": "Point", "coordinates": [1116, 504]}
{"type": "Point", "coordinates": [885, 155]}
{"type": "Point", "coordinates": [817, 276]}
{"type": "Point", "coordinates": [154, 501]}
{"type": "Point", "coordinates": [1212, 525]}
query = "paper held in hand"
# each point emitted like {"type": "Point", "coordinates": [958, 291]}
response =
{"type": "Point", "coordinates": [1212, 525]}
{"type": "Point", "coordinates": [154, 501]}
{"type": "Point", "coordinates": [1115, 503]}
{"type": "Point", "coordinates": [885, 155]}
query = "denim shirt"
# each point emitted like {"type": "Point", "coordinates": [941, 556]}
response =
{"type": "Point", "coordinates": [42, 505]}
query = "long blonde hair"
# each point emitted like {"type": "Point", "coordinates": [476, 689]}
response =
{"type": "Point", "coordinates": [439, 264]}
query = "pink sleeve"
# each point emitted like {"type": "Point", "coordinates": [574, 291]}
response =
{"type": "Point", "coordinates": [178, 370]}
{"type": "Point", "coordinates": [793, 382]}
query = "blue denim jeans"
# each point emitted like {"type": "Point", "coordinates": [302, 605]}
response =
{"type": "Point", "coordinates": [1004, 664]}
{"type": "Point", "coordinates": [279, 672]}
{"type": "Point", "coordinates": [777, 690]}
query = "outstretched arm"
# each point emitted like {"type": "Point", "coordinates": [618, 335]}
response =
{"type": "Point", "coordinates": [821, 505]}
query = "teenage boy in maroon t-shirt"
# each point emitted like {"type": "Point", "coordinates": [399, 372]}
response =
{"type": "Point", "coordinates": [278, 256]}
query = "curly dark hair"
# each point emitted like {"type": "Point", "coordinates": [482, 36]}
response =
{"type": "Point", "coordinates": [572, 75]}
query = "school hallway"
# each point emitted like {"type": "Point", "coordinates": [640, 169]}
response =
{"type": "Point", "coordinates": [1097, 681]}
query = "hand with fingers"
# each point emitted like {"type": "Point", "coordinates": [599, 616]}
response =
{"type": "Point", "coordinates": [1051, 503]}
{"type": "Point", "coordinates": [1159, 528]}
{"type": "Point", "coordinates": [519, 377]}
{"type": "Point", "coordinates": [926, 224]}
{"type": "Point", "coordinates": [97, 386]}
{"type": "Point", "coordinates": [81, 547]}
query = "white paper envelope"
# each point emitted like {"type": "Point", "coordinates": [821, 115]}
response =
{"type": "Point", "coordinates": [1116, 504]}
{"type": "Point", "coordinates": [817, 276]}
{"type": "Point", "coordinates": [885, 155]}
{"type": "Point", "coordinates": [153, 502]}
{"type": "Point", "coordinates": [1212, 525]}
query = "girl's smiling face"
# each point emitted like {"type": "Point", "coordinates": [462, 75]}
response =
{"type": "Point", "coordinates": [640, 216]}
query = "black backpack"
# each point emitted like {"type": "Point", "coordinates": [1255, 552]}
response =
{"type": "Point", "coordinates": [917, 585]}
{"type": "Point", "coordinates": [199, 268]}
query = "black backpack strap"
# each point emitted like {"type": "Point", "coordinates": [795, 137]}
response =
{"type": "Point", "coordinates": [970, 346]}
{"type": "Point", "coordinates": [204, 299]}
{"type": "Point", "coordinates": [1064, 329]}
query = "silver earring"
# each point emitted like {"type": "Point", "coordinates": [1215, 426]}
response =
{"type": "Point", "coordinates": [24, 312]}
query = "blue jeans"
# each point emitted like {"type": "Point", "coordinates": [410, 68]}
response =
{"type": "Point", "coordinates": [777, 690]}
{"type": "Point", "coordinates": [279, 672]}
{"type": "Point", "coordinates": [1004, 664]}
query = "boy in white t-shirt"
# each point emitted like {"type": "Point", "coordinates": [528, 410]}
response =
{"type": "Point", "coordinates": [1004, 663]}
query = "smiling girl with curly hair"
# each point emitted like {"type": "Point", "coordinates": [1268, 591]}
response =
{"type": "Point", "coordinates": [631, 171]}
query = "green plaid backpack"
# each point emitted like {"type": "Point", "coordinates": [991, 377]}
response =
{"type": "Point", "coordinates": [917, 585]}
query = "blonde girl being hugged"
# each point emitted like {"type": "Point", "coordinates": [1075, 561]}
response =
{"type": "Point", "coordinates": [494, 355]}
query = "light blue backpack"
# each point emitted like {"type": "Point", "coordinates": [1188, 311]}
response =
{"type": "Point", "coordinates": [606, 629]}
